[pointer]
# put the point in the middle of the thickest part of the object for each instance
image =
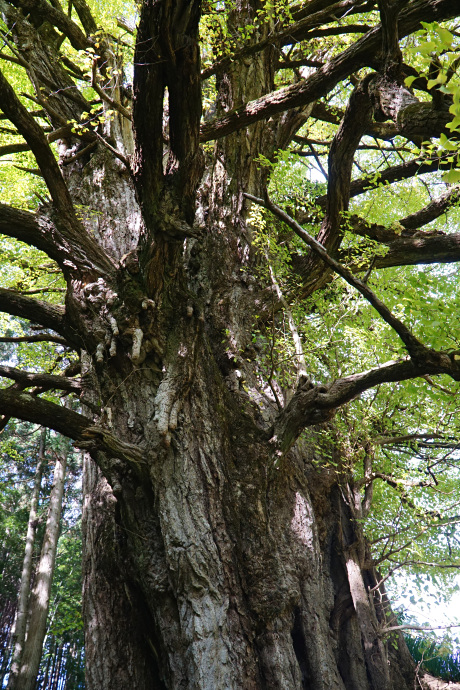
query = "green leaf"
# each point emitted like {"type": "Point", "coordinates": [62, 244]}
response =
{"type": "Point", "coordinates": [452, 176]}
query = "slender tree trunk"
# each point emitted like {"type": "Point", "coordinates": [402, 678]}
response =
{"type": "Point", "coordinates": [57, 669]}
{"type": "Point", "coordinates": [24, 590]}
{"type": "Point", "coordinates": [40, 595]}
{"type": "Point", "coordinates": [7, 619]}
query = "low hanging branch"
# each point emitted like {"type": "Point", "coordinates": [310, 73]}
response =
{"type": "Point", "coordinates": [41, 338]}
{"type": "Point", "coordinates": [46, 314]}
{"type": "Point", "coordinates": [45, 381]}
{"type": "Point", "coordinates": [30, 408]}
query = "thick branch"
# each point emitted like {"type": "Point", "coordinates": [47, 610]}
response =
{"type": "Point", "coordinates": [14, 403]}
{"type": "Point", "coordinates": [34, 136]}
{"type": "Point", "coordinates": [294, 33]}
{"type": "Point", "coordinates": [29, 228]}
{"type": "Point", "coordinates": [33, 409]}
{"type": "Point", "coordinates": [313, 405]}
{"type": "Point", "coordinates": [53, 15]}
{"type": "Point", "coordinates": [408, 225]}
{"type": "Point", "coordinates": [431, 249]}
{"type": "Point", "coordinates": [406, 245]}
{"type": "Point", "coordinates": [167, 56]}
{"type": "Point", "coordinates": [35, 310]}
{"type": "Point", "coordinates": [390, 43]}
{"type": "Point", "coordinates": [334, 115]}
{"type": "Point", "coordinates": [432, 211]}
{"type": "Point", "coordinates": [86, 254]}
{"type": "Point", "coordinates": [85, 16]}
{"type": "Point", "coordinates": [340, 163]}
{"type": "Point", "coordinates": [44, 381]}
{"type": "Point", "coordinates": [412, 117]}
{"type": "Point", "coordinates": [358, 55]}
{"type": "Point", "coordinates": [396, 173]}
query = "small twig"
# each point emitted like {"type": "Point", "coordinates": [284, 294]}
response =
{"type": "Point", "coordinates": [390, 440]}
{"type": "Point", "coordinates": [422, 628]}
{"type": "Point", "coordinates": [432, 383]}
{"type": "Point", "coordinates": [33, 171]}
{"type": "Point", "coordinates": [116, 153]}
{"type": "Point", "coordinates": [100, 92]}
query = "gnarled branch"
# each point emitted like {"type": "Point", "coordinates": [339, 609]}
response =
{"type": "Point", "coordinates": [44, 381]}
{"type": "Point", "coordinates": [315, 404]}
{"type": "Point", "coordinates": [47, 315]}
{"type": "Point", "coordinates": [31, 408]}
{"type": "Point", "coordinates": [316, 86]}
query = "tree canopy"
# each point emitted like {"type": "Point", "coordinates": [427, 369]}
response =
{"type": "Point", "coordinates": [312, 150]}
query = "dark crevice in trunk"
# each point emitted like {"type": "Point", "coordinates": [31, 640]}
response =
{"type": "Point", "coordinates": [300, 648]}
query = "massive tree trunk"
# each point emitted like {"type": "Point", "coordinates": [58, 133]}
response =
{"type": "Point", "coordinates": [209, 562]}
{"type": "Point", "coordinates": [220, 551]}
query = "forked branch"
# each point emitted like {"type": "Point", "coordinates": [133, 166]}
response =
{"type": "Point", "coordinates": [312, 405]}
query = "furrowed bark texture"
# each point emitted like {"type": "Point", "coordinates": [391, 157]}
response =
{"type": "Point", "coordinates": [216, 555]}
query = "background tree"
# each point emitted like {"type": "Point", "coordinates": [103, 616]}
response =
{"type": "Point", "coordinates": [20, 625]}
{"type": "Point", "coordinates": [62, 660]}
{"type": "Point", "coordinates": [224, 319]}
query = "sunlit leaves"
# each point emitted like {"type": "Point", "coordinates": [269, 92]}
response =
{"type": "Point", "coordinates": [436, 51]}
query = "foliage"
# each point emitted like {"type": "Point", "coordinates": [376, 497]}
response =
{"type": "Point", "coordinates": [18, 456]}
{"type": "Point", "coordinates": [438, 658]}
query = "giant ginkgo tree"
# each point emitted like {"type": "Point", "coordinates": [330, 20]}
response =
{"type": "Point", "coordinates": [226, 309]}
